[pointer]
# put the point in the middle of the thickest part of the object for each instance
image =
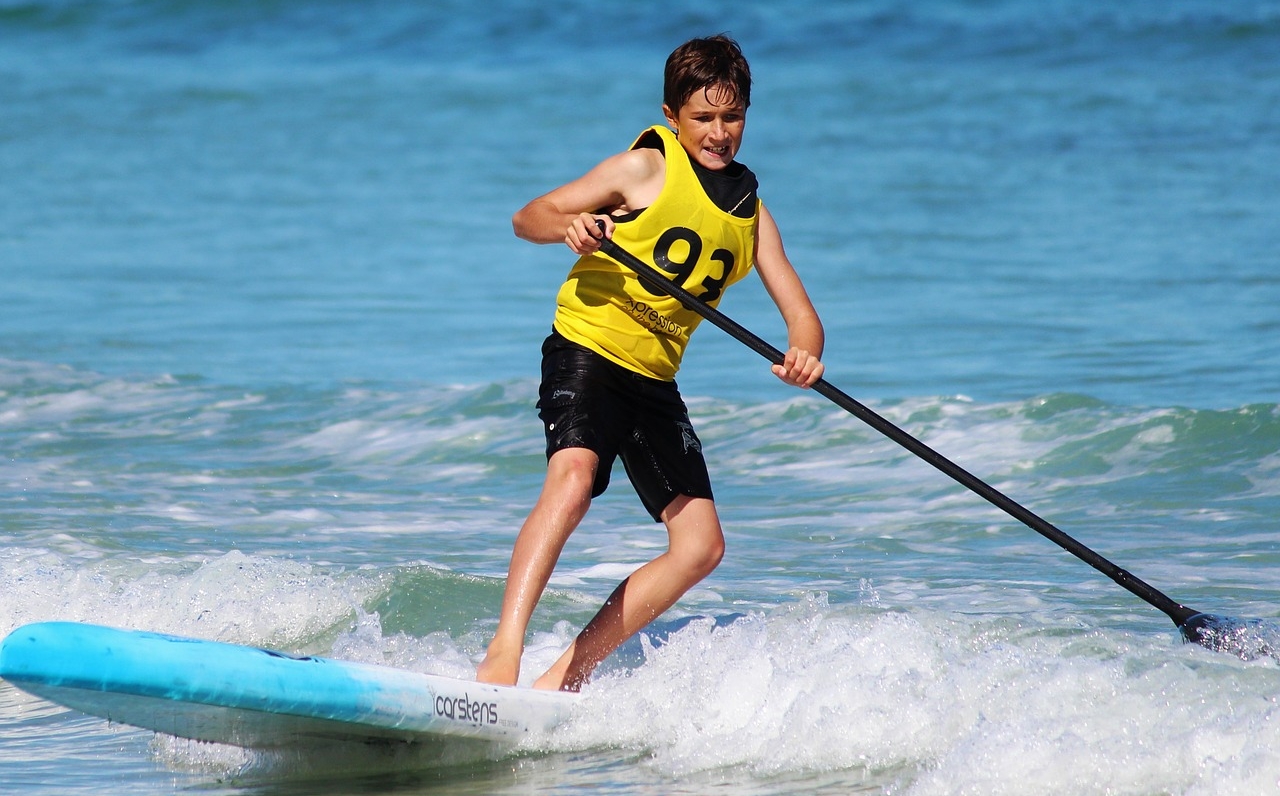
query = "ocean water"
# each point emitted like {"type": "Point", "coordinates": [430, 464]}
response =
{"type": "Point", "coordinates": [268, 355]}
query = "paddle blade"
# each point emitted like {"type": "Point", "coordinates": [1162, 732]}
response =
{"type": "Point", "coordinates": [1247, 639]}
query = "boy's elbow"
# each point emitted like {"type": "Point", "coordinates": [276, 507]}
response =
{"type": "Point", "coordinates": [520, 224]}
{"type": "Point", "coordinates": [531, 223]}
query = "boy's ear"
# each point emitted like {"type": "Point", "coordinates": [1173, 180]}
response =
{"type": "Point", "coordinates": [671, 117]}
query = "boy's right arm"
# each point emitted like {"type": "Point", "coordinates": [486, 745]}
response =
{"type": "Point", "coordinates": [568, 214]}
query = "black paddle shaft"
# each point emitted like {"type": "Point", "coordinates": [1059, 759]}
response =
{"type": "Point", "coordinates": [654, 278]}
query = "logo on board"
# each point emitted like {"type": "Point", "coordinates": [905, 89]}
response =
{"type": "Point", "coordinates": [463, 708]}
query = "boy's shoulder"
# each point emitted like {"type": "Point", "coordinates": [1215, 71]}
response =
{"type": "Point", "coordinates": [640, 164]}
{"type": "Point", "coordinates": [635, 175]}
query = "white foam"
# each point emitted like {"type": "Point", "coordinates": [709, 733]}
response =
{"type": "Point", "coordinates": [923, 705]}
{"type": "Point", "coordinates": [233, 597]}
{"type": "Point", "coordinates": [607, 571]}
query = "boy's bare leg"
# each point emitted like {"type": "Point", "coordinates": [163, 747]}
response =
{"type": "Point", "coordinates": [697, 545]}
{"type": "Point", "coordinates": [565, 498]}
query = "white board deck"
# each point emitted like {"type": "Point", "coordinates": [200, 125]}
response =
{"type": "Point", "coordinates": [251, 697]}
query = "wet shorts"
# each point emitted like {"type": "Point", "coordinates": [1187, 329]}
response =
{"type": "Point", "coordinates": [586, 401]}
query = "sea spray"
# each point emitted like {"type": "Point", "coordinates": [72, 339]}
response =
{"type": "Point", "coordinates": [926, 703]}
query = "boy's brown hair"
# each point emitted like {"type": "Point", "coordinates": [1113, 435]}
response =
{"type": "Point", "coordinates": [702, 63]}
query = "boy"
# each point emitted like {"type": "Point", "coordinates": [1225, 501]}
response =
{"type": "Point", "coordinates": [679, 200]}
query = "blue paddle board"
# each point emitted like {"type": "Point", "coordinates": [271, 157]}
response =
{"type": "Point", "coordinates": [257, 698]}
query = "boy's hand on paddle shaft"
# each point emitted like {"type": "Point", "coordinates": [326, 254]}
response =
{"type": "Point", "coordinates": [799, 368]}
{"type": "Point", "coordinates": [585, 232]}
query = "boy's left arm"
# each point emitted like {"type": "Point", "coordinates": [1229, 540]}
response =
{"type": "Point", "coordinates": [802, 365]}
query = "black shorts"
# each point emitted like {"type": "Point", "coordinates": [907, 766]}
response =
{"type": "Point", "coordinates": [586, 401]}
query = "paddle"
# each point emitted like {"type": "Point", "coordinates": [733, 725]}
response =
{"type": "Point", "coordinates": [1220, 633]}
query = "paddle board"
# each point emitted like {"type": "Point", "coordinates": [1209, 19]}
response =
{"type": "Point", "coordinates": [258, 698]}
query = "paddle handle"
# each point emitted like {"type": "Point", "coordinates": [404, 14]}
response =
{"type": "Point", "coordinates": [656, 279]}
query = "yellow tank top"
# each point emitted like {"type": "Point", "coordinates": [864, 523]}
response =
{"type": "Point", "coordinates": [602, 304]}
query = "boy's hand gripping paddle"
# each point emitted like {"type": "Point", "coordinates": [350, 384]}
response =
{"type": "Point", "coordinates": [1247, 639]}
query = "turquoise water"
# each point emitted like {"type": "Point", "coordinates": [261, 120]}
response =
{"type": "Point", "coordinates": [268, 354]}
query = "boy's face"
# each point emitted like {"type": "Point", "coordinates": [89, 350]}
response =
{"type": "Point", "coordinates": [709, 126]}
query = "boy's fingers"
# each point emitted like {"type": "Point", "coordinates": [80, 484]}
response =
{"type": "Point", "coordinates": [799, 368]}
{"type": "Point", "coordinates": [585, 233]}
{"type": "Point", "coordinates": [603, 225]}
{"type": "Point", "coordinates": [581, 236]}
{"type": "Point", "coordinates": [814, 373]}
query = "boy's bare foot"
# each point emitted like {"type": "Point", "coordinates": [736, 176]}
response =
{"type": "Point", "coordinates": [554, 682]}
{"type": "Point", "coordinates": [549, 682]}
{"type": "Point", "coordinates": [559, 677]}
{"type": "Point", "coordinates": [499, 668]}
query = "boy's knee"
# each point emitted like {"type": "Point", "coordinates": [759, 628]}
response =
{"type": "Point", "coordinates": [573, 470]}
{"type": "Point", "coordinates": [701, 559]}
{"type": "Point", "coordinates": [712, 556]}
{"type": "Point", "coordinates": [697, 540]}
